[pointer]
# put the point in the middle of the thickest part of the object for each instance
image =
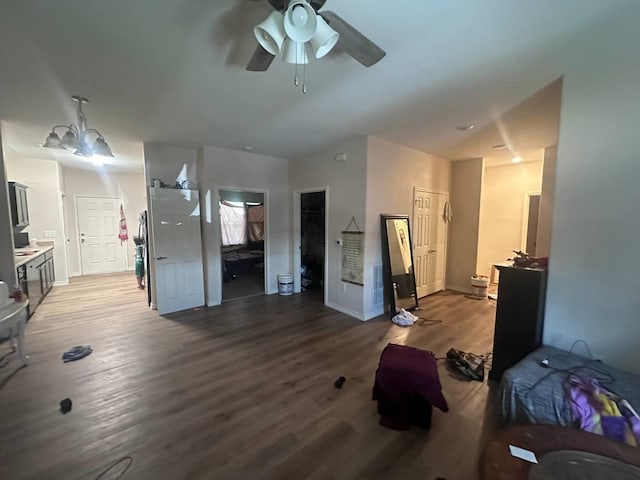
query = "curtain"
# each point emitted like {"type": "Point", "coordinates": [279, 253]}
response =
{"type": "Point", "coordinates": [233, 221]}
{"type": "Point", "coordinates": [256, 223]}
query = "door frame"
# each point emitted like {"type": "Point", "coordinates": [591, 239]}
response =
{"type": "Point", "coordinates": [297, 238]}
{"type": "Point", "coordinates": [77, 222]}
{"type": "Point", "coordinates": [525, 218]}
{"type": "Point", "coordinates": [446, 225]}
{"type": "Point", "coordinates": [267, 224]}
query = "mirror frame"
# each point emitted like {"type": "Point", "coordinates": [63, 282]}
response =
{"type": "Point", "coordinates": [386, 263]}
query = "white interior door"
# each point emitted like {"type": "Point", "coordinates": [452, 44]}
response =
{"type": "Point", "coordinates": [430, 241]}
{"type": "Point", "coordinates": [98, 225]}
{"type": "Point", "coordinates": [177, 246]}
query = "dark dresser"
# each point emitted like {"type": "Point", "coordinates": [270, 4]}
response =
{"type": "Point", "coordinates": [519, 316]}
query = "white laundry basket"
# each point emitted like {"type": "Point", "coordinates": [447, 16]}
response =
{"type": "Point", "coordinates": [285, 284]}
{"type": "Point", "coordinates": [480, 286]}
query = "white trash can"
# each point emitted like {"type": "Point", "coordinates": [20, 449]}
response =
{"type": "Point", "coordinates": [480, 286]}
{"type": "Point", "coordinates": [285, 284]}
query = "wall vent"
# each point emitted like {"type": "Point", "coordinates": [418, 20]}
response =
{"type": "Point", "coordinates": [378, 285]}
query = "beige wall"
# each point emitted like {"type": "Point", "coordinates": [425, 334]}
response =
{"type": "Point", "coordinates": [45, 205]}
{"type": "Point", "coordinates": [7, 264]}
{"type": "Point", "coordinates": [545, 220]}
{"type": "Point", "coordinates": [502, 210]}
{"type": "Point", "coordinates": [212, 168]}
{"type": "Point", "coordinates": [594, 281]}
{"type": "Point", "coordinates": [347, 182]}
{"type": "Point", "coordinates": [392, 173]}
{"type": "Point", "coordinates": [465, 195]}
{"type": "Point", "coordinates": [130, 187]}
{"type": "Point", "coordinates": [221, 167]}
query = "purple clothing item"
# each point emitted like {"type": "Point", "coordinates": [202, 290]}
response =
{"type": "Point", "coordinates": [403, 374]}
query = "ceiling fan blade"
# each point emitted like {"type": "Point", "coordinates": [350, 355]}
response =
{"type": "Point", "coordinates": [260, 60]}
{"type": "Point", "coordinates": [279, 5]}
{"type": "Point", "coordinates": [353, 42]}
{"type": "Point", "coordinates": [317, 4]}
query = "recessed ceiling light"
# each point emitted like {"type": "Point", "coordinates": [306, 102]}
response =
{"type": "Point", "coordinates": [516, 159]}
{"type": "Point", "coordinates": [499, 146]}
{"type": "Point", "coordinates": [248, 148]}
{"type": "Point", "coordinates": [465, 128]}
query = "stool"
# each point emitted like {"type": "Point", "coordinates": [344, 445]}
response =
{"type": "Point", "coordinates": [406, 387]}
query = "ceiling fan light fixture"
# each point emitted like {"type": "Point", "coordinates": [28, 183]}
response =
{"type": "Point", "coordinates": [324, 39]}
{"type": "Point", "coordinates": [100, 147]}
{"type": "Point", "coordinates": [294, 52]}
{"type": "Point", "coordinates": [300, 21]}
{"type": "Point", "coordinates": [53, 141]}
{"type": "Point", "coordinates": [270, 33]}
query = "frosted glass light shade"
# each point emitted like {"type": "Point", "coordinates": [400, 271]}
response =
{"type": "Point", "coordinates": [300, 21]}
{"type": "Point", "coordinates": [324, 39]}
{"type": "Point", "coordinates": [294, 52]}
{"type": "Point", "coordinates": [270, 33]}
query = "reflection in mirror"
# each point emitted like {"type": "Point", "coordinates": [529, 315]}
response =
{"type": "Point", "coordinates": [397, 255]}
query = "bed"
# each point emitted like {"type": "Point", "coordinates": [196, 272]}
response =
{"type": "Point", "coordinates": [531, 393]}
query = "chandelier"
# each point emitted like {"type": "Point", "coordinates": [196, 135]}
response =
{"type": "Point", "coordinates": [78, 136]}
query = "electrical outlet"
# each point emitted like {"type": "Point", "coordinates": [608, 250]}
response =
{"type": "Point", "coordinates": [49, 234]}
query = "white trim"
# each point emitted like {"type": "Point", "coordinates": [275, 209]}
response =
{"type": "Point", "coordinates": [60, 284]}
{"type": "Point", "coordinates": [525, 219]}
{"type": "Point", "coordinates": [75, 207]}
{"type": "Point", "coordinates": [215, 216]}
{"type": "Point", "coordinates": [75, 274]}
{"type": "Point", "coordinates": [297, 240]}
{"type": "Point", "coordinates": [346, 311]}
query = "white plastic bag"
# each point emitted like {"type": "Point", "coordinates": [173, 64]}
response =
{"type": "Point", "coordinates": [404, 318]}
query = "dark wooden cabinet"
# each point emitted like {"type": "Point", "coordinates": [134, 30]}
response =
{"type": "Point", "coordinates": [19, 204]}
{"type": "Point", "coordinates": [519, 316]}
{"type": "Point", "coordinates": [38, 278]}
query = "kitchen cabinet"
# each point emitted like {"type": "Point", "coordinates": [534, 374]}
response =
{"type": "Point", "coordinates": [39, 277]}
{"type": "Point", "coordinates": [19, 205]}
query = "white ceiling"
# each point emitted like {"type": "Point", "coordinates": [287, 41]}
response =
{"type": "Point", "coordinates": [172, 71]}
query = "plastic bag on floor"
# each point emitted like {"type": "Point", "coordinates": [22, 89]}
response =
{"type": "Point", "coordinates": [404, 318]}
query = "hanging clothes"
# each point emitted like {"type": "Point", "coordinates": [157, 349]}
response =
{"type": "Point", "coordinates": [255, 218]}
{"type": "Point", "coordinates": [123, 234]}
{"type": "Point", "coordinates": [448, 213]}
{"type": "Point", "coordinates": [233, 222]}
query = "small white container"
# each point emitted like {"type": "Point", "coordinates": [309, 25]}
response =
{"type": "Point", "coordinates": [285, 284]}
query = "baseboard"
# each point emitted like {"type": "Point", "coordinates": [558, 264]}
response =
{"type": "Point", "coordinates": [346, 311]}
{"type": "Point", "coordinates": [458, 288]}
{"type": "Point", "coordinates": [61, 284]}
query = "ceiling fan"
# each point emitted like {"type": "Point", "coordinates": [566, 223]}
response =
{"type": "Point", "coordinates": [296, 22]}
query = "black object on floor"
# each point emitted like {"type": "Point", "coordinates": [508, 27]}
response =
{"type": "Point", "coordinates": [340, 382]}
{"type": "Point", "coordinates": [76, 353]}
{"type": "Point", "coordinates": [65, 405]}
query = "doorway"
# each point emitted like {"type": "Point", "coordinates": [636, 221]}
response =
{"type": "Point", "coordinates": [430, 240]}
{"type": "Point", "coordinates": [101, 251]}
{"type": "Point", "coordinates": [242, 226]}
{"type": "Point", "coordinates": [310, 240]}
{"type": "Point", "coordinates": [530, 222]}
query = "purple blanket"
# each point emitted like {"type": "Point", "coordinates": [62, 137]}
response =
{"type": "Point", "coordinates": [403, 374]}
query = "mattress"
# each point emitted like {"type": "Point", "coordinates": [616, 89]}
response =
{"type": "Point", "coordinates": [530, 393]}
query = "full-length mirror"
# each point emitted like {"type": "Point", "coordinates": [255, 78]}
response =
{"type": "Point", "coordinates": [397, 257]}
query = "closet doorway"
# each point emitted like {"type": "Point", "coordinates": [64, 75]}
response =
{"type": "Point", "coordinates": [242, 227]}
{"type": "Point", "coordinates": [310, 236]}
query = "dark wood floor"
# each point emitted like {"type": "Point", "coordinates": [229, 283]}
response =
{"type": "Point", "coordinates": [242, 391]}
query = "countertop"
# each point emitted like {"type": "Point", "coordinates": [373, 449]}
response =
{"type": "Point", "coordinates": [37, 251]}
